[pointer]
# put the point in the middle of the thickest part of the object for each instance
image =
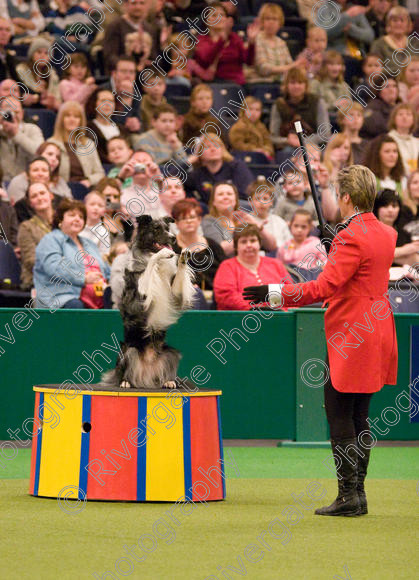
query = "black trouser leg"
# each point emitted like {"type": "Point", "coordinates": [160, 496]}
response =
{"type": "Point", "coordinates": [346, 414]}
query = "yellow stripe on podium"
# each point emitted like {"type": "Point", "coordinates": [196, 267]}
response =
{"type": "Point", "coordinates": [164, 455]}
{"type": "Point", "coordinates": [60, 455]}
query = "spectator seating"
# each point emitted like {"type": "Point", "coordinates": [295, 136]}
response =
{"type": "Point", "coordinates": [267, 93]}
{"type": "Point", "coordinates": [223, 92]}
{"type": "Point", "coordinates": [9, 264]}
{"type": "Point", "coordinates": [252, 157]}
{"type": "Point", "coordinates": [78, 190]}
{"type": "Point", "coordinates": [294, 37]}
{"type": "Point", "coordinates": [181, 104]}
{"type": "Point", "coordinates": [262, 170]}
{"type": "Point", "coordinates": [177, 90]}
{"type": "Point", "coordinates": [44, 118]}
{"type": "Point", "coordinates": [402, 298]}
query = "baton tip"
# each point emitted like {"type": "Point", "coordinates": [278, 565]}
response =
{"type": "Point", "coordinates": [298, 126]}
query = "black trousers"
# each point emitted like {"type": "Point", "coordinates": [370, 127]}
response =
{"type": "Point", "coordinates": [346, 413]}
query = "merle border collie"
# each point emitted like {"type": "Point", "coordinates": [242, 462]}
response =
{"type": "Point", "coordinates": [157, 288]}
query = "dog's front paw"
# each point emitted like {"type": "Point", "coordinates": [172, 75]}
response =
{"type": "Point", "coordinates": [164, 254]}
{"type": "Point", "coordinates": [169, 385]}
{"type": "Point", "coordinates": [185, 257]}
{"type": "Point", "coordinates": [125, 385]}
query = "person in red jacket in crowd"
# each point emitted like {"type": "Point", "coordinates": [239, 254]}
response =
{"type": "Point", "coordinates": [247, 267]}
{"type": "Point", "coordinates": [221, 53]}
{"type": "Point", "coordinates": [360, 330]}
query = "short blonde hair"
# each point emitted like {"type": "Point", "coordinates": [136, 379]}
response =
{"type": "Point", "coordinates": [360, 184]}
{"type": "Point", "coordinates": [340, 117]}
{"type": "Point", "coordinates": [274, 10]}
{"type": "Point", "coordinates": [398, 11]}
{"type": "Point", "coordinates": [218, 142]}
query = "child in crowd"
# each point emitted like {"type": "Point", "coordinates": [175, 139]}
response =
{"type": "Point", "coordinates": [302, 244]}
{"type": "Point", "coordinates": [316, 44]}
{"type": "Point", "coordinates": [198, 115]}
{"type": "Point", "coordinates": [179, 73]}
{"type": "Point", "coordinates": [119, 152]}
{"type": "Point", "coordinates": [139, 45]}
{"type": "Point", "coordinates": [295, 197]}
{"type": "Point", "coordinates": [261, 197]}
{"type": "Point", "coordinates": [409, 83]}
{"type": "Point", "coordinates": [116, 249]}
{"type": "Point", "coordinates": [402, 124]}
{"type": "Point", "coordinates": [152, 100]}
{"type": "Point", "coordinates": [329, 84]}
{"type": "Point", "coordinates": [249, 133]}
{"type": "Point", "coordinates": [337, 155]}
{"type": "Point", "coordinates": [162, 142]}
{"type": "Point", "coordinates": [371, 75]}
{"type": "Point", "coordinates": [77, 84]}
{"type": "Point", "coordinates": [95, 210]}
{"type": "Point", "coordinates": [350, 125]}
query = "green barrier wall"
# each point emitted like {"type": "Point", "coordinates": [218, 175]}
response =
{"type": "Point", "coordinates": [263, 393]}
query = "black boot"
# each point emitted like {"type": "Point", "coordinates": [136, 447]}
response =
{"type": "Point", "coordinates": [346, 460]}
{"type": "Point", "coordinates": [362, 472]}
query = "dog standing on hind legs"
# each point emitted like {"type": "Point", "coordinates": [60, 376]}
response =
{"type": "Point", "coordinates": [157, 287]}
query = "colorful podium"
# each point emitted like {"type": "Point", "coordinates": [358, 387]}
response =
{"type": "Point", "coordinates": [127, 445]}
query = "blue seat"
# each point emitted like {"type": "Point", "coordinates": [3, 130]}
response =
{"type": "Point", "coordinates": [252, 157]}
{"type": "Point", "coordinates": [266, 92]}
{"type": "Point", "coordinates": [281, 156]}
{"type": "Point", "coordinates": [9, 264]}
{"type": "Point", "coordinates": [294, 37]}
{"type": "Point", "coordinates": [181, 104]}
{"type": "Point", "coordinates": [177, 90]}
{"type": "Point", "coordinates": [402, 297]}
{"type": "Point", "coordinates": [44, 118]}
{"type": "Point", "coordinates": [223, 92]}
{"type": "Point", "coordinates": [262, 170]}
{"type": "Point", "coordinates": [78, 190]}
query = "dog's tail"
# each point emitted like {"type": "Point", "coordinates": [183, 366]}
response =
{"type": "Point", "coordinates": [110, 378]}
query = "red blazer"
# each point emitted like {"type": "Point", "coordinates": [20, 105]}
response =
{"type": "Point", "coordinates": [231, 278]}
{"type": "Point", "coordinates": [359, 324]}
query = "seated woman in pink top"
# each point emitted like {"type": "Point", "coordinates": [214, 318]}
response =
{"type": "Point", "coordinates": [221, 53]}
{"type": "Point", "coordinates": [302, 249]}
{"type": "Point", "coordinates": [248, 267]}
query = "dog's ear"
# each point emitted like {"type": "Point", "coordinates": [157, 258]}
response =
{"type": "Point", "coordinates": [168, 220]}
{"type": "Point", "coordinates": [144, 220]}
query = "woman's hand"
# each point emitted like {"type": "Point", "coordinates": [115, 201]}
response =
{"type": "Point", "coordinates": [292, 140]}
{"type": "Point", "coordinates": [253, 30]}
{"type": "Point", "coordinates": [93, 277]}
{"type": "Point", "coordinates": [411, 248]}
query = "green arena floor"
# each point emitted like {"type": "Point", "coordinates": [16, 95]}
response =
{"type": "Point", "coordinates": [222, 539]}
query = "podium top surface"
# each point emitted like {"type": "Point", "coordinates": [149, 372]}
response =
{"type": "Point", "coordinates": [98, 389]}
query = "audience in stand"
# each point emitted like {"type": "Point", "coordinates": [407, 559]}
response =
{"type": "Point", "coordinates": [199, 118]}
{"type": "Point", "coordinates": [216, 164]}
{"type": "Point", "coordinates": [398, 27]}
{"type": "Point", "coordinates": [31, 231]}
{"type": "Point", "coordinates": [39, 76]}
{"type": "Point", "coordinates": [222, 52]}
{"type": "Point", "coordinates": [298, 104]}
{"type": "Point", "coordinates": [154, 34]}
{"type": "Point", "coordinates": [99, 109]}
{"type": "Point", "coordinates": [302, 249]}
{"type": "Point", "coordinates": [351, 125]}
{"type": "Point", "coordinates": [402, 125]}
{"type": "Point", "coordinates": [65, 254]}
{"type": "Point", "coordinates": [377, 114]}
{"type": "Point", "coordinates": [249, 133]}
{"type": "Point", "coordinates": [272, 57]}
{"type": "Point", "coordinates": [8, 61]}
{"type": "Point", "coordinates": [388, 209]}
{"type": "Point", "coordinates": [329, 84]}
{"type": "Point", "coordinates": [207, 254]}
{"type": "Point", "coordinates": [37, 171]}
{"type": "Point", "coordinates": [247, 268]}
{"type": "Point", "coordinates": [18, 140]}
{"type": "Point", "coordinates": [79, 159]}
{"type": "Point", "coordinates": [78, 83]}
{"type": "Point", "coordinates": [384, 159]}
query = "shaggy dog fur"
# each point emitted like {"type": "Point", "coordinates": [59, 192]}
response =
{"type": "Point", "coordinates": [157, 288]}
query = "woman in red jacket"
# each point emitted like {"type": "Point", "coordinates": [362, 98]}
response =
{"type": "Point", "coordinates": [220, 55]}
{"type": "Point", "coordinates": [248, 267]}
{"type": "Point", "coordinates": [360, 330]}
